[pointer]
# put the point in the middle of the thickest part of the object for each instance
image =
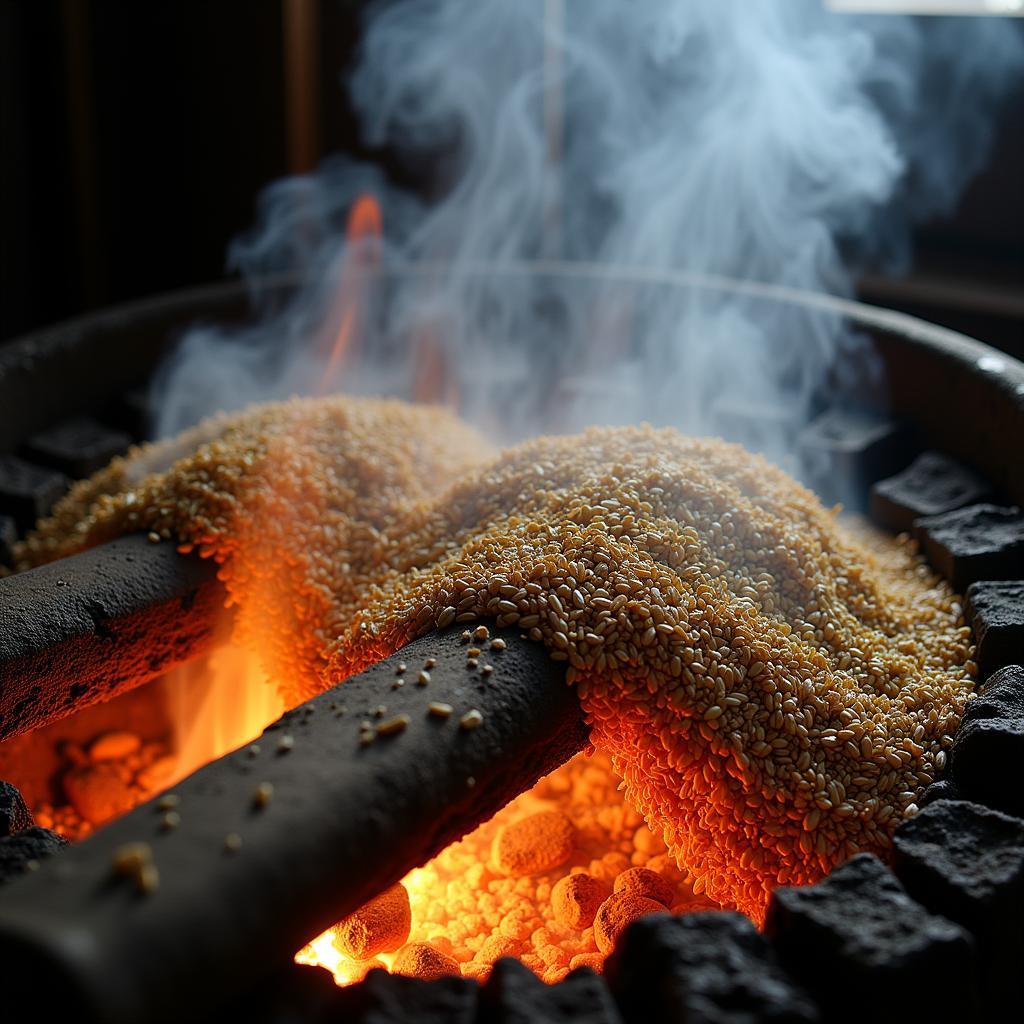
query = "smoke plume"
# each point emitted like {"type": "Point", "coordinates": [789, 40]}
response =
{"type": "Point", "coordinates": [607, 162]}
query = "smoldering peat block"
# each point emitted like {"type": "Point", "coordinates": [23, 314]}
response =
{"type": "Point", "coordinates": [28, 492]}
{"type": "Point", "coordinates": [966, 862]}
{"type": "Point", "coordinates": [844, 451]}
{"type": "Point", "coordinates": [515, 995]}
{"type": "Point", "coordinates": [995, 610]}
{"type": "Point", "coordinates": [861, 946]}
{"type": "Point", "coordinates": [930, 485]}
{"type": "Point", "coordinates": [980, 542]}
{"type": "Point", "coordinates": [77, 447]}
{"type": "Point", "coordinates": [988, 749]}
{"type": "Point", "coordinates": [706, 967]}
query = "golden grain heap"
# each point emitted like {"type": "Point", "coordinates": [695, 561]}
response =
{"type": "Point", "coordinates": [774, 689]}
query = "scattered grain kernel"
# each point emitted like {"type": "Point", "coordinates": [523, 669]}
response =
{"type": "Point", "coordinates": [471, 719]}
{"type": "Point", "coordinates": [393, 725]}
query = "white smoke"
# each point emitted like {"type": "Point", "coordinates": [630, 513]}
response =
{"type": "Point", "coordinates": [768, 141]}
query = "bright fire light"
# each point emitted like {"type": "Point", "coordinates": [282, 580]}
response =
{"type": "Point", "coordinates": [363, 235]}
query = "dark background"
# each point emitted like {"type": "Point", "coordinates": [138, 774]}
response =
{"type": "Point", "coordinates": [137, 136]}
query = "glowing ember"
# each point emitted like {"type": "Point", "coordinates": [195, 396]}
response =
{"type": "Point", "coordinates": [471, 905]}
{"type": "Point", "coordinates": [213, 706]}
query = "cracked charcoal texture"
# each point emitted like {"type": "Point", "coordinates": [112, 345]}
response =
{"type": "Point", "coordinates": [990, 744]}
{"type": "Point", "coordinates": [966, 862]}
{"type": "Point", "coordinates": [703, 968]}
{"type": "Point", "coordinates": [858, 942]}
{"type": "Point", "coordinates": [31, 844]}
{"type": "Point", "coordinates": [14, 813]}
{"type": "Point", "coordinates": [515, 995]}
{"type": "Point", "coordinates": [384, 998]}
{"type": "Point", "coordinates": [995, 611]}
{"type": "Point", "coordinates": [980, 542]}
{"type": "Point", "coordinates": [930, 485]}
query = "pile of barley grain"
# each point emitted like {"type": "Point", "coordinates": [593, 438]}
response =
{"type": "Point", "coordinates": [775, 691]}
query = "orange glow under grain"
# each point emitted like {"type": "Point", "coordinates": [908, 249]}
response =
{"type": "Point", "coordinates": [363, 235]}
{"type": "Point", "coordinates": [467, 908]}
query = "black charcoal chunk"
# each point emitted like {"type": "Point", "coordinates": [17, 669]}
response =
{"type": "Point", "coordinates": [930, 485]}
{"type": "Point", "coordinates": [988, 749]}
{"type": "Point", "coordinates": [14, 813]}
{"type": "Point", "coordinates": [131, 413]}
{"type": "Point", "coordinates": [515, 995]}
{"type": "Point", "coordinates": [703, 968]}
{"type": "Point", "coordinates": [980, 542]}
{"type": "Point", "coordinates": [844, 451]}
{"type": "Point", "coordinates": [28, 492]}
{"type": "Point", "coordinates": [77, 447]}
{"type": "Point", "coordinates": [866, 951]}
{"type": "Point", "coordinates": [758, 427]}
{"type": "Point", "coordinates": [941, 790]}
{"type": "Point", "coordinates": [8, 538]}
{"type": "Point", "coordinates": [23, 851]}
{"type": "Point", "coordinates": [995, 611]}
{"type": "Point", "coordinates": [383, 998]}
{"type": "Point", "coordinates": [966, 862]}
{"type": "Point", "coordinates": [295, 994]}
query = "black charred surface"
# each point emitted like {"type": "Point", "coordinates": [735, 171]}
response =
{"type": "Point", "coordinates": [8, 538]}
{"type": "Point", "coordinates": [384, 998]}
{"type": "Point", "coordinates": [704, 968]}
{"type": "Point", "coordinates": [865, 950]}
{"type": "Point", "coordinates": [844, 451]}
{"type": "Point", "coordinates": [930, 485]}
{"type": "Point", "coordinates": [980, 542]}
{"type": "Point", "coordinates": [77, 447]}
{"type": "Point", "coordinates": [346, 820]}
{"type": "Point", "coordinates": [943, 789]}
{"type": "Point", "coordinates": [14, 813]}
{"type": "Point", "coordinates": [25, 851]}
{"type": "Point", "coordinates": [515, 995]}
{"type": "Point", "coordinates": [995, 611]}
{"type": "Point", "coordinates": [966, 863]}
{"type": "Point", "coordinates": [988, 748]}
{"type": "Point", "coordinates": [86, 628]}
{"type": "Point", "coordinates": [27, 491]}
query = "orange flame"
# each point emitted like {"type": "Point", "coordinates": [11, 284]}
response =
{"type": "Point", "coordinates": [363, 235]}
{"type": "Point", "coordinates": [432, 380]}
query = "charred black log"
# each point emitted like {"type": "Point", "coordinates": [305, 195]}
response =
{"type": "Point", "coordinates": [87, 628]}
{"type": "Point", "coordinates": [276, 841]}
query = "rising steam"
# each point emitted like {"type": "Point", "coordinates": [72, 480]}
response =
{"type": "Point", "coordinates": [765, 141]}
